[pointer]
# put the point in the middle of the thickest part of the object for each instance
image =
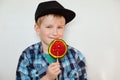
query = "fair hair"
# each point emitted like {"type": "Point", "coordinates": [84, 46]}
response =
{"type": "Point", "coordinates": [40, 19]}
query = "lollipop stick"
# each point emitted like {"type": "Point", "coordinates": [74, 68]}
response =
{"type": "Point", "coordinates": [57, 76]}
{"type": "Point", "coordinates": [57, 60]}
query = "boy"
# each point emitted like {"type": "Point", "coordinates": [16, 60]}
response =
{"type": "Point", "coordinates": [35, 63]}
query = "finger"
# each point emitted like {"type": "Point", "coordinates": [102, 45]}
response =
{"type": "Point", "coordinates": [57, 72]}
{"type": "Point", "coordinates": [54, 65]}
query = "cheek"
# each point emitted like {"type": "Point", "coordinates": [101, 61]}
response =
{"type": "Point", "coordinates": [45, 33]}
{"type": "Point", "coordinates": [61, 33]}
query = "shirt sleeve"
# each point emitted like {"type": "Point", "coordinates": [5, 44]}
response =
{"type": "Point", "coordinates": [22, 72]}
{"type": "Point", "coordinates": [81, 61]}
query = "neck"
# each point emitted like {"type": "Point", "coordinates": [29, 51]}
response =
{"type": "Point", "coordinates": [45, 48]}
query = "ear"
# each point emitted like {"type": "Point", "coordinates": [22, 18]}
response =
{"type": "Point", "coordinates": [37, 29]}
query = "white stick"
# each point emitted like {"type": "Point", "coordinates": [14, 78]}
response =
{"type": "Point", "coordinates": [57, 60]}
{"type": "Point", "coordinates": [57, 76]}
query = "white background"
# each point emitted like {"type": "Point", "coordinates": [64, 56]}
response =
{"type": "Point", "coordinates": [95, 32]}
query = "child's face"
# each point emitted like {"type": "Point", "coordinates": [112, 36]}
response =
{"type": "Point", "coordinates": [51, 27]}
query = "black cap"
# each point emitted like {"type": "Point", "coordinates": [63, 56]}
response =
{"type": "Point", "coordinates": [53, 7]}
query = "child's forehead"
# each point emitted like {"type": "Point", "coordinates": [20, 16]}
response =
{"type": "Point", "coordinates": [51, 16]}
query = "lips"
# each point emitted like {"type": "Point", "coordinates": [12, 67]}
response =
{"type": "Point", "coordinates": [53, 38]}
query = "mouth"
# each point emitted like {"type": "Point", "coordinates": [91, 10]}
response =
{"type": "Point", "coordinates": [53, 38]}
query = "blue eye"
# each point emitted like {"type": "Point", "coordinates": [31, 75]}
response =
{"type": "Point", "coordinates": [49, 27]}
{"type": "Point", "coordinates": [60, 27]}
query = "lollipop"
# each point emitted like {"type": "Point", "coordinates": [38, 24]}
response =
{"type": "Point", "coordinates": [57, 48]}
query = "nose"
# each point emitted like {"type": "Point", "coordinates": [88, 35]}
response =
{"type": "Point", "coordinates": [55, 32]}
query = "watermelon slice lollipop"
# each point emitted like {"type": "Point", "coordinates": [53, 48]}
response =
{"type": "Point", "coordinates": [57, 48]}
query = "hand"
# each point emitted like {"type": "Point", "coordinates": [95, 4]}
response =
{"type": "Point", "coordinates": [53, 71]}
